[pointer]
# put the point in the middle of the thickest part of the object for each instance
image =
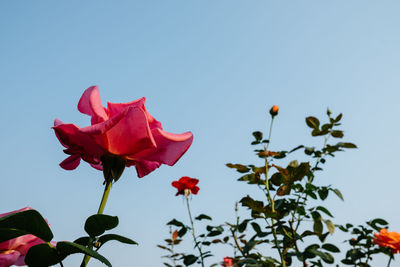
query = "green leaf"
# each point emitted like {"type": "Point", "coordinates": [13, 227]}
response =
{"type": "Point", "coordinates": [331, 248]}
{"type": "Point", "coordinates": [22, 223]}
{"type": "Point", "coordinates": [256, 227]}
{"type": "Point", "coordinates": [65, 248]}
{"type": "Point", "coordinates": [323, 193]}
{"type": "Point", "coordinates": [176, 223]}
{"type": "Point", "coordinates": [42, 255]}
{"type": "Point", "coordinates": [84, 240]}
{"type": "Point", "coordinates": [239, 167]}
{"type": "Point", "coordinates": [337, 134]}
{"type": "Point", "coordinates": [374, 224]}
{"type": "Point", "coordinates": [312, 122]}
{"type": "Point", "coordinates": [339, 117]}
{"type": "Point", "coordinates": [318, 227]}
{"type": "Point", "coordinates": [189, 259]}
{"type": "Point", "coordinates": [324, 210]}
{"type": "Point", "coordinates": [203, 217]}
{"type": "Point", "coordinates": [326, 257]}
{"type": "Point", "coordinates": [108, 237]}
{"type": "Point", "coordinates": [338, 193]}
{"type": "Point", "coordinates": [97, 224]}
{"type": "Point", "coordinates": [258, 135]}
{"type": "Point", "coordinates": [349, 145]}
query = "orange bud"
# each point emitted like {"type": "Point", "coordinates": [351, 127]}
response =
{"type": "Point", "coordinates": [174, 235]}
{"type": "Point", "coordinates": [274, 110]}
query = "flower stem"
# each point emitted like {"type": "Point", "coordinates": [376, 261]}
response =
{"type": "Point", "coordinates": [99, 211]}
{"type": "Point", "coordinates": [193, 232]}
{"type": "Point", "coordinates": [390, 260]}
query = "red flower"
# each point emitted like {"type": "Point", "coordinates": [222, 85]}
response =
{"type": "Point", "coordinates": [12, 252]}
{"type": "Point", "coordinates": [125, 131]}
{"type": "Point", "coordinates": [388, 239]}
{"type": "Point", "coordinates": [228, 262]}
{"type": "Point", "coordinates": [186, 184]}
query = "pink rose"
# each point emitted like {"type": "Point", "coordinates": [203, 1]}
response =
{"type": "Point", "coordinates": [12, 252]}
{"type": "Point", "coordinates": [125, 130]}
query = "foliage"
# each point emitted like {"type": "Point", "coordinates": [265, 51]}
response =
{"type": "Point", "coordinates": [291, 218]}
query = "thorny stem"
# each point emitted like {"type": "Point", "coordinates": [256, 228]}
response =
{"type": "Point", "coordinates": [269, 196]}
{"type": "Point", "coordinates": [172, 247]}
{"type": "Point", "coordinates": [99, 211]}
{"type": "Point", "coordinates": [193, 232]}
{"type": "Point", "coordinates": [309, 182]}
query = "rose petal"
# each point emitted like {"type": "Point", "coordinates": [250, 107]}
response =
{"type": "Point", "coordinates": [71, 137]}
{"type": "Point", "coordinates": [131, 134]}
{"type": "Point", "coordinates": [170, 147]}
{"type": "Point", "coordinates": [71, 162]}
{"type": "Point", "coordinates": [115, 108]}
{"type": "Point", "coordinates": [90, 104]}
{"type": "Point", "coordinates": [144, 167]}
{"type": "Point", "coordinates": [8, 258]}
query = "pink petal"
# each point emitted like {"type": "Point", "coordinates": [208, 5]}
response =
{"type": "Point", "coordinates": [170, 147]}
{"type": "Point", "coordinates": [8, 258]}
{"type": "Point", "coordinates": [76, 141]}
{"type": "Point", "coordinates": [90, 104]}
{"type": "Point", "coordinates": [144, 167]}
{"type": "Point", "coordinates": [115, 108]}
{"type": "Point", "coordinates": [71, 162]}
{"type": "Point", "coordinates": [131, 134]}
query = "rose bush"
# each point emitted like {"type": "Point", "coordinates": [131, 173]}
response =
{"type": "Point", "coordinates": [125, 130]}
{"type": "Point", "coordinates": [12, 252]}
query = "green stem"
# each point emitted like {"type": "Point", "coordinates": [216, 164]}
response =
{"type": "Point", "coordinates": [99, 211]}
{"type": "Point", "coordinates": [270, 198]}
{"type": "Point", "coordinates": [390, 260]}
{"type": "Point", "coordinates": [193, 232]}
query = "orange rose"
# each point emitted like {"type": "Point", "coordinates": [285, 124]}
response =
{"type": "Point", "coordinates": [274, 110]}
{"type": "Point", "coordinates": [388, 239]}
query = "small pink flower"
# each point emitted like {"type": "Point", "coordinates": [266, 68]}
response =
{"type": "Point", "coordinates": [228, 262]}
{"type": "Point", "coordinates": [12, 252]}
{"type": "Point", "coordinates": [125, 130]}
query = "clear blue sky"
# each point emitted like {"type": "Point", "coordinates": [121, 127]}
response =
{"type": "Point", "coordinates": [213, 67]}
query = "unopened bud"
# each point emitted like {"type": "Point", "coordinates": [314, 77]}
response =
{"type": "Point", "coordinates": [274, 110]}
